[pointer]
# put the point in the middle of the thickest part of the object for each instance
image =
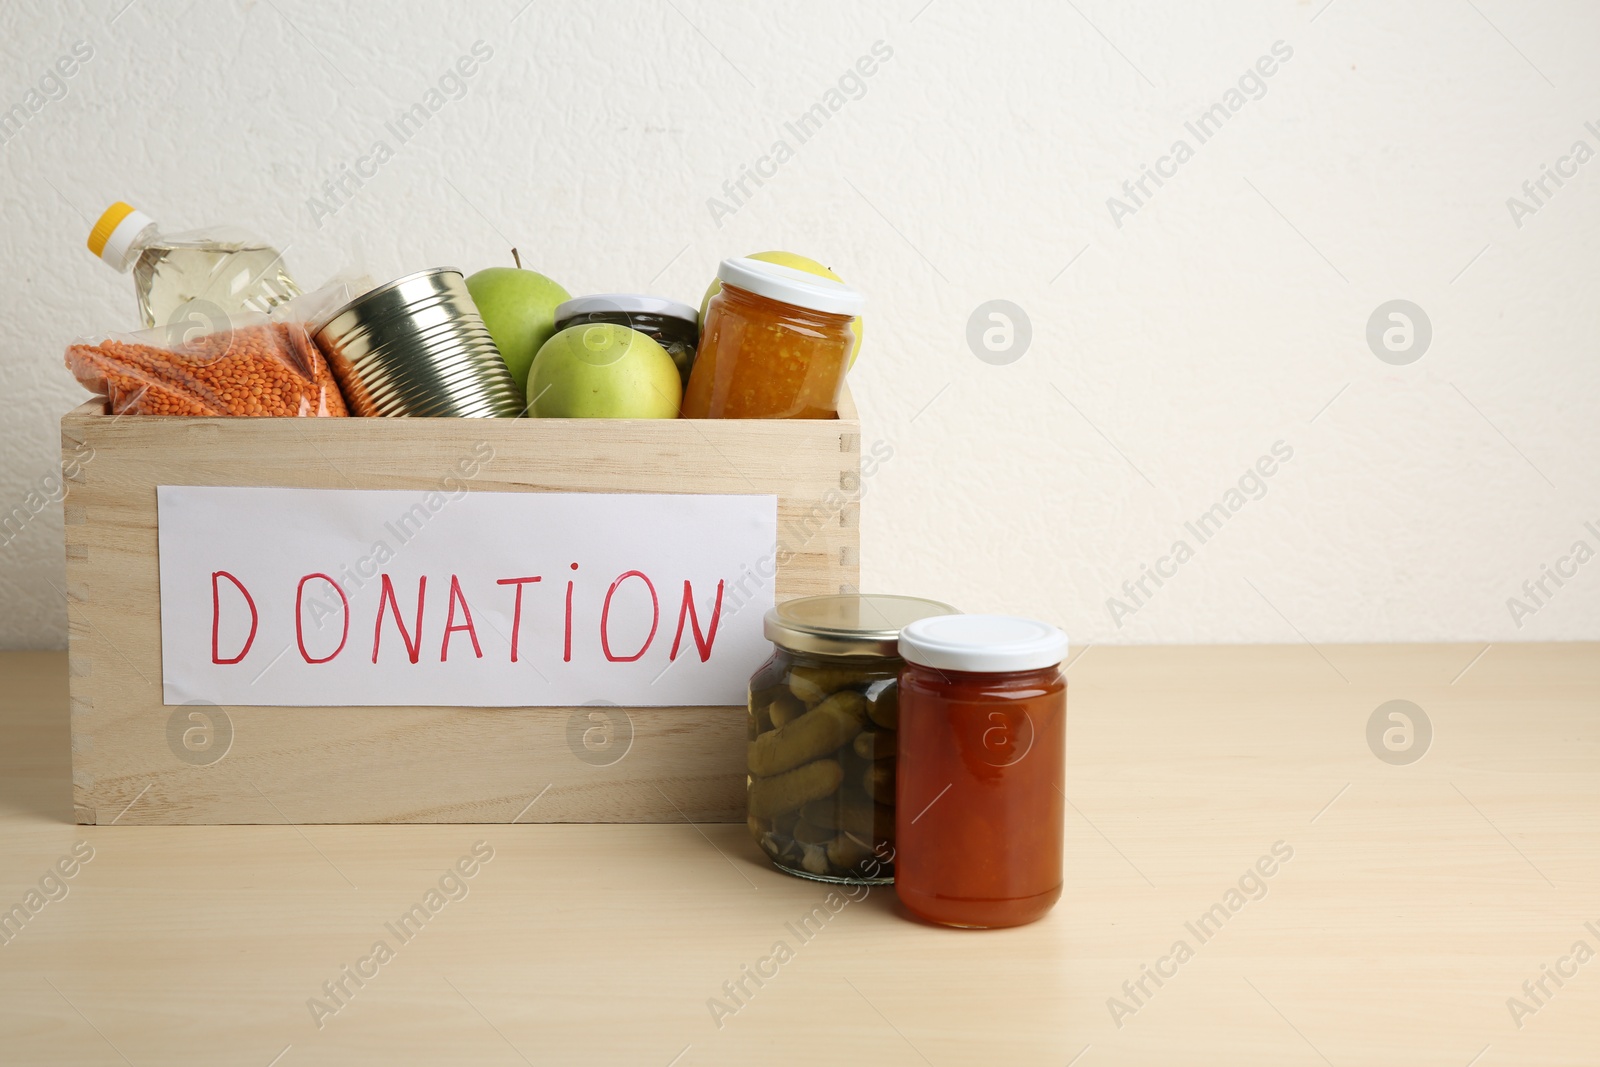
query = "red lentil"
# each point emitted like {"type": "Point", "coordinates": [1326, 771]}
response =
{"type": "Point", "coordinates": [272, 369]}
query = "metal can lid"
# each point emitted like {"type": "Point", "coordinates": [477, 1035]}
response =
{"type": "Point", "coordinates": [985, 644]}
{"type": "Point", "coordinates": [369, 299]}
{"type": "Point", "coordinates": [847, 624]}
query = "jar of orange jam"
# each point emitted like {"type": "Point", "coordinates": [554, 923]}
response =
{"type": "Point", "coordinates": [775, 344]}
{"type": "Point", "coordinates": [982, 757]}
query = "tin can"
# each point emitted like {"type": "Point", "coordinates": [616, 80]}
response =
{"type": "Point", "coordinates": [418, 347]}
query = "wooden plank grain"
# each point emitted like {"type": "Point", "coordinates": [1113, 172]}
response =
{"type": "Point", "coordinates": [1418, 900]}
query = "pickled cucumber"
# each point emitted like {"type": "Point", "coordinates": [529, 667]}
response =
{"type": "Point", "coordinates": [875, 744]}
{"type": "Point", "coordinates": [879, 782]}
{"type": "Point", "coordinates": [821, 760]}
{"type": "Point", "coordinates": [847, 853]}
{"type": "Point", "coordinates": [819, 731]}
{"type": "Point", "coordinates": [770, 797]}
{"type": "Point", "coordinates": [827, 679]}
{"type": "Point", "coordinates": [851, 811]}
{"type": "Point", "coordinates": [784, 709]}
{"type": "Point", "coordinates": [885, 707]}
{"type": "Point", "coordinates": [807, 689]}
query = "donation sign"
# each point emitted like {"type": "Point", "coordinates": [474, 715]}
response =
{"type": "Point", "coordinates": [309, 597]}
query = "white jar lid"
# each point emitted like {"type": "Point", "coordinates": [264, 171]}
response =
{"type": "Point", "coordinates": [628, 304]}
{"type": "Point", "coordinates": [790, 286]}
{"type": "Point", "coordinates": [987, 644]}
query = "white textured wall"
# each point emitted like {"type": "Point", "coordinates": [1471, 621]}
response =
{"type": "Point", "coordinates": [1168, 353]}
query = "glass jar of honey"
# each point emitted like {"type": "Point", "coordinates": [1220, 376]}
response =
{"type": "Point", "coordinates": [822, 735]}
{"type": "Point", "coordinates": [775, 344]}
{"type": "Point", "coordinates": [982, 756]}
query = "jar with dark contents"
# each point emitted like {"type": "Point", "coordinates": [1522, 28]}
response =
{"type": "Point", "coordinates": [674, 326]}
{"type": "Point", "coordinates": [822, 727]}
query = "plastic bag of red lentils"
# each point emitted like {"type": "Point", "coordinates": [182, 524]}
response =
{"type": "Point", "coordinates": [251, 366]}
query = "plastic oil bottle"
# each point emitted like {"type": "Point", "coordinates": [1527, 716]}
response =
{"type": "Point", "coordinates": [179, 276]}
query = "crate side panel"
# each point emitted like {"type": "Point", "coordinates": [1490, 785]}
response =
{"type": "Point", "coordinates": [413, 764]}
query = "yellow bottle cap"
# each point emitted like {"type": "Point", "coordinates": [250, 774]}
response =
{"type": "Point", "coordinates": [108, 222]}
{"type": "Point", "coordinates": [114, 234]}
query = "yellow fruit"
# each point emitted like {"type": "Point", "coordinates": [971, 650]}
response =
{"type": "Point", "coordinates": [797, 262]}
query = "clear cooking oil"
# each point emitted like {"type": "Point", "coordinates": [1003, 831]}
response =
{"type": "Point", "coordinates": [206, 273]}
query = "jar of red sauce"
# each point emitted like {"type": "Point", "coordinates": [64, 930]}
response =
{"type": "Point", "coordinates": [775, 344]}
{"type": "Point", "coordinates": [982, 758]}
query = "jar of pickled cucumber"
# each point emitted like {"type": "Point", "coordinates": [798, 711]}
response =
{"type": "Point", "coordinates": [823, 716]}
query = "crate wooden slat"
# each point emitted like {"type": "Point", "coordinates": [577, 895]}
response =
{"type": "Point", "coordinates": [411, 764]}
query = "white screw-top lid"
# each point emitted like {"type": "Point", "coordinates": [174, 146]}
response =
{"type": "Point", "coordinates": [987, 644]}
{"type": "Point", "coordinates": [628, 304]}
{"type": "Point", "coordinates": [790, 286]}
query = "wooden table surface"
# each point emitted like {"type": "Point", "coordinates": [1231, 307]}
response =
{"type": "Point", "coordinates": [1415, 901]}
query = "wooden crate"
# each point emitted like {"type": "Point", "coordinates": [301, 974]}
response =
{"type": "Point", "coordinates": [412, 764]}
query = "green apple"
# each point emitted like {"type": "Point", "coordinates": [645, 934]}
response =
{"type": "Point", "coordinates": [603, 371]}
{"type": "Point", "coordinates": [519, 307]}
{"type": "Point", "coordinates": [798, 262]}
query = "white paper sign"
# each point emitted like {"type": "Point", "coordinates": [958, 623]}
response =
{"type": "Point", "coordinates": [380, 597]}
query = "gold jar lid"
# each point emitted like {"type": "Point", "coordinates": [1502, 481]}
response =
{"type": "Point", "coordinates": [847, 624]}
